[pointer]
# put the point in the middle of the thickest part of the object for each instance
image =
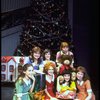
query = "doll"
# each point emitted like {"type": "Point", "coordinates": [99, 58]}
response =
{"type": "Point", "coordinates": [66, 89]}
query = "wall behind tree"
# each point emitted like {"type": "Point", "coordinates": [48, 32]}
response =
{"type": "Point", "coordinates": [10, 36]}
{"type": "Point", "coordinates": [9, 5]}
{"type": "Point", "coordinates": [10, 40]}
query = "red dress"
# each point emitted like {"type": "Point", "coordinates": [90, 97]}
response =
{"type": "Point", "coordinates": [50, 87]}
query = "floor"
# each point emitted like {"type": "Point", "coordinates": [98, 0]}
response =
{"type": "Point", "coordinates": [7, 92]}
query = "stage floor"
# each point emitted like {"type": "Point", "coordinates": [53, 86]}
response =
{"type": "Point", "coordinates": [7, 93]}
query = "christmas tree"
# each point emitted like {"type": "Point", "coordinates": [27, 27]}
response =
{"type": "Point", "coordinates": [46, 27]}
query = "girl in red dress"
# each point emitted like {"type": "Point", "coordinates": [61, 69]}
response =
{"type": "Point", "coordinates": [50, 71]}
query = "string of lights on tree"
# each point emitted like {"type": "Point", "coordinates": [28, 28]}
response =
{"type": "Point", "coordinates": [46, 27]}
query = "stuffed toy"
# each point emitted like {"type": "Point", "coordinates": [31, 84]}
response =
{"type": "Point", "coordinates": [65, 61]}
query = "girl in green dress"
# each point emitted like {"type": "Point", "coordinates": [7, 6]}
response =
{"type": "Point", "coordinates": [24, 85]}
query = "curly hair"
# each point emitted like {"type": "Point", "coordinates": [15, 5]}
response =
{"type": "Point", "coordinates": [48, 65]}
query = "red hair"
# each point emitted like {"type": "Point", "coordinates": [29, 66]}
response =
{"type": "Point", "coordinates": [48, 65]}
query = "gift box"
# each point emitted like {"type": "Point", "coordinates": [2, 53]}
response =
{"type": "Point", "coordinates": [40, 82]}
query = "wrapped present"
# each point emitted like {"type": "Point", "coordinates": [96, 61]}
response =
{"type": "Point", "coordinates": [40, 82]}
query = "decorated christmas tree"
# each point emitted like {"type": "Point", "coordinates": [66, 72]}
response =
{"type": "Point", "coordinates": [46, 27]}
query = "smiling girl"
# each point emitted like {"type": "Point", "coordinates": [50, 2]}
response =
{"type": "Point", "coordinates": [24, 85]}
{"type": "Point", "coordinates": [84, 85]}
{"type": "Point", "coordinates": [50, 71]}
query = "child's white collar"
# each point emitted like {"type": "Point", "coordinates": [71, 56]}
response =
{"type": "Point", "coordinates": [80, 82]}
{"type": "Point", "coordinates": [47, 78]}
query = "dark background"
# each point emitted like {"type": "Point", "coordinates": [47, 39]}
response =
{"type": "Point", "coordinates": [86, 37]}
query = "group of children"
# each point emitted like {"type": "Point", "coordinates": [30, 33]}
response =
{"type": "Point", "coordinates": [63, 80]}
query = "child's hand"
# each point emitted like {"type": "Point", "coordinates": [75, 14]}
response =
{"type": "Point", "coordinates": [32, 77]}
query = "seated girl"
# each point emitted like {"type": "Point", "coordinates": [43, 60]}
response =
{"type": "Point", "coordinates": [84, 85]}
{"type": "Point", "coordinates": [66, 89]}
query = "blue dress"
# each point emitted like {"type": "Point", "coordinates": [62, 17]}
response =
{"type": "Point", "coordinates": [35, 66]}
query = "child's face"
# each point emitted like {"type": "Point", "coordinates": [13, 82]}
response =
{"type": "Point", "coordinates": [73, 77]}
{"type": "Point", "coordinates": [65, 49]}
{"type": "Point", "coordinates": [51, 70]}
{"type": "Point", "coordinates": [80, 75]}
{"type": "Point", "coordinates": [67, 77]}
{"type": "Point", "coordinates": [36, 55]}
{"type": "Point", "coordinates": [47, 56]}
{"type": "Point", "coordinates": [29, 71]}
